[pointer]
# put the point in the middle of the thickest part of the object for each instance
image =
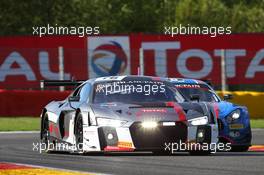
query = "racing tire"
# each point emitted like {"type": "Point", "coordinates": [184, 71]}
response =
{"type": "Point", "coordinates": [78, 132]}
{"type": "Point", "coordinates": [45, 133]}
{"type": "Point", "coordinates": [243, 148]}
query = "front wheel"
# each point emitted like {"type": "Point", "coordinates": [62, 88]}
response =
{"type": "Point", "coordinates": [45, 133]}
{"type": "Point", "coordinates": [79, 132]}
{"type": "Point", "coordinates": [243, 148]}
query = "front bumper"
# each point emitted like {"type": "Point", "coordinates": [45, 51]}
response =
{"type": "Point", "coordinates": [137, 138]}
{"type": "Point", "coordinates": [230, 132]}
{"type": "Point", "coordinates": [155, 138]}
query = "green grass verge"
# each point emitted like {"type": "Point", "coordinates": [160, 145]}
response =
{"type": "Point", "coordinates": [33, 123]}
{"type": "Point", "coordinates": [257, 123]}
{"type": "Point", "coordinates": [19, 123]}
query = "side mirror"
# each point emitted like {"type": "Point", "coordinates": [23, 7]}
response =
{"type": "Point", "coordinates": [74, 98]}
{"type": "Point", "coordinates": [195, 97]}
{"type": "Point", "coordinates": [228, 96]}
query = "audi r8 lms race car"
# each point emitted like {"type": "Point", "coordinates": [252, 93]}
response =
{"type": "Point", "coordinates": [127, 113]}
{"type": "Point", "coordinates": [234, 122]}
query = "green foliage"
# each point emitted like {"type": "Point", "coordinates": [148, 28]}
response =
{"type": "Point", "coordinates": [130, 16]}
{"type": "Point", "coordinates": [202, 13]}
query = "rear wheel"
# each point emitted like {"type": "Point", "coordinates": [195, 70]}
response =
{"type": "Point", "coordinates": [79, 132]}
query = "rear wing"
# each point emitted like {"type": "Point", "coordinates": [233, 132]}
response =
{"type": "Point", "coordinates": [45, 83]}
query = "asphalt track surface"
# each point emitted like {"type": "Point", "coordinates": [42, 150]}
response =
{"type": "Point", "coordinates": [18, 148]}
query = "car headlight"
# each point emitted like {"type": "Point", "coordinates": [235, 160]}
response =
{"type": "Point", "coordinates": [149, 124]}
{"type": "Point", "coordinates": [234, 115]}
{"type": "Point", "coordinates": [110, 122]}
{"type": "Point", "coordinates": [199, 121]}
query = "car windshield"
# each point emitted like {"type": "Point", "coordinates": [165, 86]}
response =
{"type": "Point", "coordinates": [204, 92]}
{"type": "Point", "coordinates": [132, 92]}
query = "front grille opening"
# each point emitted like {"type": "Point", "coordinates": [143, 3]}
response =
{"type": "Point", "coordinates": [155, 138]}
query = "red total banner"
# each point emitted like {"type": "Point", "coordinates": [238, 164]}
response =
{"type": "Point", "coordinates": [25, 60]}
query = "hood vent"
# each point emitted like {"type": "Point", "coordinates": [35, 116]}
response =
{"type": "Point", "coordinates": [119, 111]}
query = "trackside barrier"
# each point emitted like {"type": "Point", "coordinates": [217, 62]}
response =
{"type": "Point", "coordinates": [254, 101]}
{"type": "Point", "coordinates": [27, 103]}
{"type": "Point", "coordinates": [30, 103]}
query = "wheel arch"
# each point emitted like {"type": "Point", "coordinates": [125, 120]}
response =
{"type": "Point", "coordinates": [41, 123]}
{"type": "Point", "coordinates": [75, 117]}
{"type": "Point", "coordinates": [85, 110]}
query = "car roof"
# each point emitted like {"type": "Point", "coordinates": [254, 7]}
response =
{"type": "Point", "coordinates": [180, 81]}
{"type": "Point", "coordinates": [186, 81]}
{"type": "Point", "coordinates": [142, 77]}
{"type": "Point", "coordinates": [125, 78]}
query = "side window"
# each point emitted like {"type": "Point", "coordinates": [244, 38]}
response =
{"type": "Point", "coordinates": [85, 92]}
{"type": "Point", "coordinates": [77, 91]}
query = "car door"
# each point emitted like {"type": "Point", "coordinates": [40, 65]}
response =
{"type": "Point", "coordinates": [68, 111]}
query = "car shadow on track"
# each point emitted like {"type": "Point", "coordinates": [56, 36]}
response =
{"type": "Point", "coordinates": [242, 154]}
{"type": "Point", "coordinates": [121, 154]}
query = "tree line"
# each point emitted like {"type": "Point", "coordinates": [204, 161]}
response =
{"type": "Point", "coordinates": [17, 17]}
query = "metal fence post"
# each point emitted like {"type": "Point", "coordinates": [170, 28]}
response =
{"type": "Point", "coordinates": [223, 71]}
{"type": "Point", "coordinates": [141, 62]}
{"type": "Point", "coordinates": [61, 67]}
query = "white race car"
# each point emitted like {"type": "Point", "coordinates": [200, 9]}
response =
{"type": "Point", "coordinates": [127, 113]}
